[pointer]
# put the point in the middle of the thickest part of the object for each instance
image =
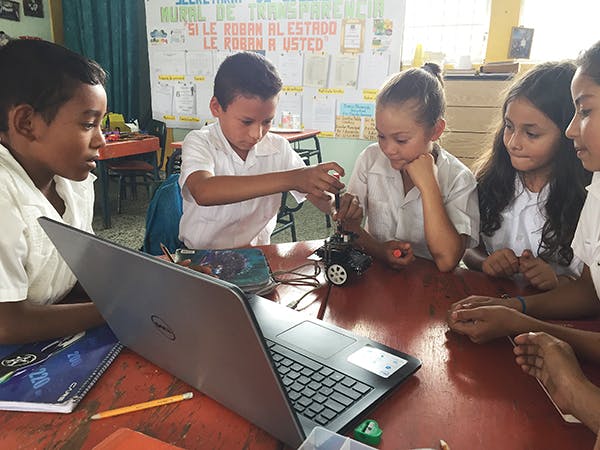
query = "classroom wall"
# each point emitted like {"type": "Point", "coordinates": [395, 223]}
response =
{"type": "Point", "coordinates": [30, 26]}
{"type": "Point", "coordinates": [504, 16]}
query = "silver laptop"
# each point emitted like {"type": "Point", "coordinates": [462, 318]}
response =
{"type": "Point", "coordinates": [278, 368]}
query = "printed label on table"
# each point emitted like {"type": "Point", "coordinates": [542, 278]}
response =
{"type": "Point", "coordinates": [376, 361]}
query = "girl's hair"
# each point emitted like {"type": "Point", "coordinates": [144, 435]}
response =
{"type": "Point", "coordinates": [589, 62]}
{"type": "Point", "coordinates": [547, 87]}
{"type": "Point", "coordinates": [423, 86]}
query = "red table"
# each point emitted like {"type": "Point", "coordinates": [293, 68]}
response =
{"type": "Point", "coordinates": [119, 149]}
{"type": "Point", "coordinates": [472, 396]}
{"type": "Point", "coordinates": [193, 424]}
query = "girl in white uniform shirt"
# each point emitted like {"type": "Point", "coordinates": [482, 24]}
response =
{"type": "Point", "coordinates": [418, 199]}
{"type": "Point", "coordinates": [547, 351]}
{"type": "Point", "coordinates": [531, 185]}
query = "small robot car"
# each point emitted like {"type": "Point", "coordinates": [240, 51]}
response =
{"type": "Point", "coordinates": [341, 259]}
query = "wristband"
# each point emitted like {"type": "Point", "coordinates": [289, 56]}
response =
{"type": "Point", "coordinates": [523, 303]}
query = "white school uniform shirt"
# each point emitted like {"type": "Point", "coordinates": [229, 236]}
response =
{"type": "Point", "coordinates": [30, 266]}
{"type": "Point", "coordinates": [586, 243]}
{"type": "Point", "coordinates": [249, 222]}
{"type": "Point", "coordinates": [522, 223]}
{"type": "Point", "coordinates": [393, 214]}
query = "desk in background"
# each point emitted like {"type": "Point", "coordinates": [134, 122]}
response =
{"type": "Point", "coordinates": [295, 138]}
{"type": "Point", "coordinates": [119, 149]}
{"type": "Point", "coordinates": [472, 396]}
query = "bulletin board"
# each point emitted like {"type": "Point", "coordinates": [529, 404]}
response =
{"type": "Point", "coordinates": [332, 56]}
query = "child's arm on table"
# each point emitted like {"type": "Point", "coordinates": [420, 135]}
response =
{"type": "Point", "coordinates": [443, 241]}
{"type": "Point", "coordinates": [574, 300]}
{"type": "Point", "coordinates": [553, 362]}
{"type": "Point", "coordinates": [22, 322]}
{"type": "Point", "coordinates": [208, 189]}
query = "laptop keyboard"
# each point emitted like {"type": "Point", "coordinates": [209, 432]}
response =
{"type": "Point", "coordinates": [317, 392]}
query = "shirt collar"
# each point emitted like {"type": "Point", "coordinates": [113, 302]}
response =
{"type": "Point", "coordinates": [594, 186]}
{"type": "Point", "coordinates": [533, 198]}
{"type": "Point", "coordinates": [257, 150]}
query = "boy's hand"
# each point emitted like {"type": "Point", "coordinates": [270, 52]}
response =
{"type": "Point", "coordinates": [422, 171]}
{"type": "Point", "coordinates": [316, 180]}
{"type": "Point", "coordinates": [537, 271]}
{"type": "Point", "coordinates": [349, 210]}
{"type": "Point", "coordinates": [501, 263]}
{"type": "Point", "coordinates": [396, 254]}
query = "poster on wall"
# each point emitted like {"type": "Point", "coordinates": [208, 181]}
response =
{"type": "Point", "coordinates": [33, 8]}
{"type": "Point", "coordinates": [520, 42]}
{"type": "Point", "coordinates": [331, 55]}
{"type": "Point", "coordinates": [9, 10]}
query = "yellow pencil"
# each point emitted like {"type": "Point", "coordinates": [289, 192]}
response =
{"type": "Point", "coordinates": [145, 405]}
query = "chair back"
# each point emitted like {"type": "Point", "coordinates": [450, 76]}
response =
{"type": "Point", "coordinates": [163, 216]}
{"type": "Point", "coordinates": [158, 129]}
{"type": "Point", "coordinates": [174, 162]}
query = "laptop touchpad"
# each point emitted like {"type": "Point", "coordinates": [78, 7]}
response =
{"type": "Point", "coordinates": [316, 339]}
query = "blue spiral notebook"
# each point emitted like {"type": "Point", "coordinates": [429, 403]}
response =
{"type": "Point", "coordinates": [54, 375]}
{"type": "Point", "coordinates": [245, 267]}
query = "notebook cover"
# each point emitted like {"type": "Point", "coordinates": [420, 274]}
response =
{"type": "Point", "coordinates": [245, 267]}
{"type": "Point", "coordinates": [54, 375]}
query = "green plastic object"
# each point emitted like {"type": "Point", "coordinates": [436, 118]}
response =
{"type": "Point", "coordinates": [368, 432]}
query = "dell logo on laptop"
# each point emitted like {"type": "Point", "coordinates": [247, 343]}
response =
{"type": "Point", "coordinates": [162, 327]}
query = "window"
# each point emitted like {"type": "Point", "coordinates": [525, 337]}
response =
{"type": "Point", "coordinates": [448, 28]}
{"type": "Point", "coordinates": [560, 31]}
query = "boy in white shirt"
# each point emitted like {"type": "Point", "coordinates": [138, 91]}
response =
{"type": "Point", "coordinates": [51, 104]}
{"type": "Point", "coordinates": [233, 171]}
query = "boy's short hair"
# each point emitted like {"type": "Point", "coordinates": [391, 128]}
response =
{"type": "Point", "coordinates": [43, 75]}
{"type": "Point", "coordinates": [248, 74]}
